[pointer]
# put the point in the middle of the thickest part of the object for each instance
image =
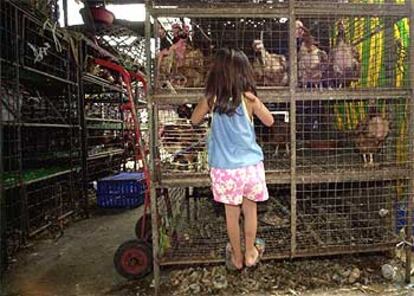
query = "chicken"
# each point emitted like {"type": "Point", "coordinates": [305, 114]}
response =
{"type": "Point", "coordinates": [185, 111]}
{"type": "Point", "coordinates": [192, 67]}
{"type": "Point", "coordinates": [276, 135]}
{"type": "Point", "coordinates": [181, 65]}
{"type": "Point", "coordinates": [169, 59]}
{"type": "Point", "coordinates": [269, 69]}
{"type": "Point", "coordinates": [345, 66]}
{"type": "Point", "coordinates": [312, 62]}
{"type": "Point", "coordinates": [182, 143]}
{"type": "Point", "coordinates": [370, 135]}
{"type": "Point", "coordinates": [299, 33]}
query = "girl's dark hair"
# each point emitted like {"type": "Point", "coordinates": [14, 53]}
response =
{"type": "Point", "coordinates": [230, 76]}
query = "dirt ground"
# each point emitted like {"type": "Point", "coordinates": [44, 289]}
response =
{"type": "Point", "coordinates": [80, 264]}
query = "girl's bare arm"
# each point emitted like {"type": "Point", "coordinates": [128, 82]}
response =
{"type": "Point", "coordinates": [260, 110]}
{"type": "Point", "coordinates": [200, 112]}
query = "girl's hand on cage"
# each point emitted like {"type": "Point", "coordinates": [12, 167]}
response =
{"type": "Point", "coordinates": [250, 96]}
{"type": "Point", "coordinates": [259, 109]}
{"type": "Point", "coordinates": [200, 112]}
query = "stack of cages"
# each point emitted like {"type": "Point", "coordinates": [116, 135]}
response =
{"type": "Point", "coordinates": [110, 142]}
{"type": "Point", "coordinates": [103, 94]}
{"type": "Point", "coordinates": [338, 160]}
{"type": "Point", "coordinates": [353, 120]}
{"type": "Point", "coordinates": [191, 225]}
{"type": "Point", "coordinates": [40, 124]}
{"type": "Point", "coordinates": [126, 40]}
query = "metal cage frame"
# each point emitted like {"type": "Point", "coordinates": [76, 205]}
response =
{"type": "Point", "coordinates": [290, 9]}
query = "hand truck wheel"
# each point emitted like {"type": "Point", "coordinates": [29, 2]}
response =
{"type": "Point", "coordinates": [133, 259]}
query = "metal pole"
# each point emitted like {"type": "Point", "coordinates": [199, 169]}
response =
{"type": "Point", "coordinates": [151, 116]}
{"type": "Point", "coordinates": [410, 7]}
{"type": "Point", "coordinates": [3, 246]}
{"type": "Point", "coordinates": [292, 83]}
{"type": "Point", "coordinates": [65, 12]}
{"type": "Point", "coordinates": [81, 100]}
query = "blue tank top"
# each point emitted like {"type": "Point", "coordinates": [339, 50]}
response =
{"type": "Point", "coordinates": [232, 141]}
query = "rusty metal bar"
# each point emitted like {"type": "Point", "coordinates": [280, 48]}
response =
{"type": "Point", "coordinates": [65, 13]}
{"type": "Point", "coordinates": [282, 95]}
{"type": "Point", "coordinates": [350, 9]}
{"type": "Point", "coordinates": [3, 239]}
{"type": "Point", "coordinates": [154, 131]}
{"type": "Point", "coordinates": [153, 193]}
{"type": "Point", "coordinates": [211, 12]}
{"type": "Point", "coordinates": [305, 8]}
{"type": "Point", "coordinates": [282, 255]}
{"type": "Point", "coordinates": [292, 90]}
{"type": "Point", "coordinates": [409, 232]}
{"type": "Point", "coordinates": [284, 178]}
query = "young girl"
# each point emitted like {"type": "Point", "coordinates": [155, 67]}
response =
{"type": "Point", "coordinates": [235, 159]}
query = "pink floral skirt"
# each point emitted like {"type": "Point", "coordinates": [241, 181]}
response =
{"type": "Point", "coordinates": [231, 185]}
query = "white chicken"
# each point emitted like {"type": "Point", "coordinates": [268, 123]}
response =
{"type": "Point", "coordinates": [345, 66]}
{"type": "Point", "coordinates": [269, 69]}
{"type": "Point", "coordinates": [312, 62]}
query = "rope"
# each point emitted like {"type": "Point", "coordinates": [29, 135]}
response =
{"type": "Point", "coordinates": [53, 27]}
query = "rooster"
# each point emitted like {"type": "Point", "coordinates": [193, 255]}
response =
{"type": "Point", "coordinates": [312, 62]}
{"type": "Point", "coordinates": [345, 66]}
{"type": "Point", "coordinates": [270, 69]}
{"type": "Point", "coordinates": [169, 59]}
{"type": "Point", "coordinates": [181, 65]}
{"type": "Point", "coordinates": [370, 135]}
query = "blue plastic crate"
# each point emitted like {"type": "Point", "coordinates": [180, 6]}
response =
{"type": "Point", "coordinates": [124, 190]}
{"type": "Point", "coordinates": [401, 212]}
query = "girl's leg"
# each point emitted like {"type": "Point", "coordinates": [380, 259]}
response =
{"type": "Point", "coordinates": [233, 230]}
{"type": "Point", "coordinates": [250, 229]}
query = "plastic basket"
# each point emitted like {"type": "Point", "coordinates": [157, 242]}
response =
{"type": "Point", "coordinates": [124, 190]}
{"type": "Point", "coordinates": [401, 216]}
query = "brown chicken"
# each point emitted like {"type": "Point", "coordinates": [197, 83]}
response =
{"type": "Point", "coordinates": [345, 66]}
{"type": "Point", "coordinates": [312, 62]}
{"type": "Point", "coordinates": [275, 136]}
{"type": "Point", "coordinates": [192, 67]}
{"type": "Point", "coordinates": [270, 69]}
{"type": "Point", "coordinates": [370, 135]}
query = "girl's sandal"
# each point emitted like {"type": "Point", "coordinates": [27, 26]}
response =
{"type": "Point", "coordinates": [260, 246]}
{"type": "Point", "coordinates": [229, 263]}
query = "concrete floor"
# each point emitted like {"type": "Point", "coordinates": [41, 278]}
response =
{"type": "Point", "coordinates": [80, 264]}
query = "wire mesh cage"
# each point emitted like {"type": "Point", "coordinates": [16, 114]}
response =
{"type": "Point", "coordinates": [44, 48]}
{"type": "Point", "coordinates": [193, 228]}
{"type": "Point", "coordinates": [186, 49]}
{"type": "Point", "coordinates": [349, 217]}
{"type": "Point", "coordinates": [353, 136]}
{"type": "Point", "coordinates": [125, 43]}
{"type": "Point", "coordinates": [9, 31]}
{"type": "Point", "coordinates": [182, 147]}
{"type": "Point", "coordinates": [352, 52]}
{"type": "Point", "coordinates": [338, 161]}
{"type": "Point", "coordinates": [40, 126]}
